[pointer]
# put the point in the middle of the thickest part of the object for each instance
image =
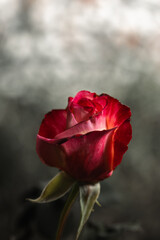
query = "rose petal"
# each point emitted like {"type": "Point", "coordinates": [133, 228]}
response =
{"type": "Point", "coordinates": [100, 102]}
{"type": "Point", "coordinates": [104, 175]}
{"type": "Point", "coordinates": [122, 137]}
{"type": "Point", "coordinates": [70, 100]}
{"type": "Point", "coordinates": [80, 113]}
{"type": "Point", "coordinates": [116, 112]}
{"type": "Point", "coordinates": [50, 152]}
{"type": "Point", "coordinates": [90, 155]}
{"type": "Point", "coordinates": [71, 121]}
{"type": "Point", "coordinates": [113, 115]}
{"type": "Point", "coordinates": [86, 108]}
{"type": "Point", "coordinates": [53, 123]}
{"type": "Point", "coordinates": [86, 103]}
{"type": "Point", "coordinates": [80, 107]}
{"type": "Point", "coordinates": [96, 123]}
{"type": "Point", "coordinates": [84, 94]}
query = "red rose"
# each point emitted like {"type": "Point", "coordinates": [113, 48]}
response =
{"type": "Point", "coordinates": [87, 140]}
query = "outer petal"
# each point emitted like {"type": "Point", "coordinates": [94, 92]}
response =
{"type": "Point", "coordinates": [104, 175]}
{"type": "Point", "coordinates": [88, 156]}
{"type": "Point", "coordinates": [50, 152]}
{"type": "Point", "coordinates": [116, 113]}
{"type": "Point", "coordinates": [122, 138]}
{"type": "Point", "coordinates": [54, 123]}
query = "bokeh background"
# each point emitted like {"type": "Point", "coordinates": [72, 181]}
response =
{"type": "Point", "coordinates": [49, 50]}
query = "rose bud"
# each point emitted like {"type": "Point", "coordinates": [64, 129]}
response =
{"type": "Point", "coordinates": [88, 139]}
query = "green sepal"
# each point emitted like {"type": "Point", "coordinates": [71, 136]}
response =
{"type": "Point", "coordinates": [71, 199]}
{"type": "Point", "coordinates": [56, 188]}
{"type": "Point", "coordinates": [88, 197]}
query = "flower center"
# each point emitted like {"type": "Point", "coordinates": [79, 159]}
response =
{"type": "Point", "coordinates": [90, 106]}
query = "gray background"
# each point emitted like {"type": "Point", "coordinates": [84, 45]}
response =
{"type": "Point", "coordinates": [49, 50]}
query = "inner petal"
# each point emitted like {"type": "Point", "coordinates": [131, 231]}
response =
{"type": "Point", "coordinates": [83, 109]}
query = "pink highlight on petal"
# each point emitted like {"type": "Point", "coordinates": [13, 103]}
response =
{"type": "Point", "coordinates": [71, 121]}
{"type": "Point", "coordinates": [80, 113]}
{"type": "Point", "coordinates": [96, 123]}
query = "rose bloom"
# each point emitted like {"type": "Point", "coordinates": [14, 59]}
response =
{"type": "Point", "coordinates": [87, 140]}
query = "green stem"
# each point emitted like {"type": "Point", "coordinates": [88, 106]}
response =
{"type": "Point", "coordinates": [71, 199]}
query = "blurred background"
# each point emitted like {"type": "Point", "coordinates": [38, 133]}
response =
{"type": "Point", "coordinates": [49, 50]}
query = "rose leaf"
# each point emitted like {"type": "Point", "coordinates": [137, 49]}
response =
{"type": "Point", "coordinates": [56, 188]}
